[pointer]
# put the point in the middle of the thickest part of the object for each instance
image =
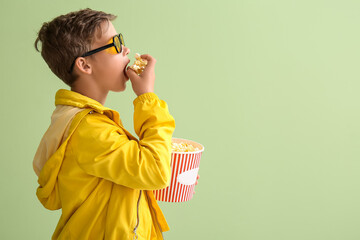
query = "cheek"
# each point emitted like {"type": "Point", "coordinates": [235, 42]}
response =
{"type": "Point", "coordinates": [116, 65]}
{"type": "Point", "coordinates": [110, 66]}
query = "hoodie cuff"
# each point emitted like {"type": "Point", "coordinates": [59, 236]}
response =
{"type": "Point", "coordinates": [145, 97]}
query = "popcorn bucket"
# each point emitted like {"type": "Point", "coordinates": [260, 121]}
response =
{"type": "Point", "coordinates": [184, 171]}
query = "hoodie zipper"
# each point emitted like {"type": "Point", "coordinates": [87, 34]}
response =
{"type": "Point", "coordinates": [137, 213]}
{"type": "Point", "coordinates": [156, 219]}
{"type": "Point", "coordinates": [151, 209]}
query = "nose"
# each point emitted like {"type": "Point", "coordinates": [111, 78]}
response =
{"type": "Point", "coordinates": [126, 50]}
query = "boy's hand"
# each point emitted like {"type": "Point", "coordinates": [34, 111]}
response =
{"type": "Point", "coordinates": [144, 82]}
{"type": "Point", "coordinates": [198, 176]}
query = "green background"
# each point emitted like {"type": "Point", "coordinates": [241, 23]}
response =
{"type": "Point", "coordinates": [270, 88]}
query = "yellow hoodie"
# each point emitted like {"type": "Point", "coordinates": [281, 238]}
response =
{"type": "Point", "coordinates": [100, 175]}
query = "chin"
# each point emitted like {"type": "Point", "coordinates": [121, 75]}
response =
{"type": "Point", "coordinates": [119, 88]}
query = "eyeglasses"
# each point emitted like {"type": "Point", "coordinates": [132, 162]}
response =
{"type": "Point", "coordinates": [117, 42]}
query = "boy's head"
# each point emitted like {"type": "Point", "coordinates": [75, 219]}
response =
{"type": "Point", "coordinates": [69, 36]}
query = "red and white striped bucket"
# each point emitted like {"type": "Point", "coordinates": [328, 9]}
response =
{"type": "Point", "coordinates": [184, 171]}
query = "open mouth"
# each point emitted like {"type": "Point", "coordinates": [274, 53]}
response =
{"type": "Point", "coordinates": [125, 70]}
{"type": "Point", "coordinates": [127, 77]}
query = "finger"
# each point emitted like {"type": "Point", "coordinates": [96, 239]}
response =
{"type": "Point", "coordinates": [151, 61]}
{"type": "Point", "coordinates": [149, 69]}
{"type": "Point", "coordinates": [131, 73]}
{"type": "Point", "coordinates": [147, 57]}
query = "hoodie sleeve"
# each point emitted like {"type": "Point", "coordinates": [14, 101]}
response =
{"type": "Point", "coordinates": [102, 148]}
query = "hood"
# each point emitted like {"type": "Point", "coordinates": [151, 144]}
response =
{"type": "Point", "coordinates": [55, 135]}
{"type": "Point", "coordinates": [50, 153]}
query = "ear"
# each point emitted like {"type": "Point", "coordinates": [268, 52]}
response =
{"type": "Point", "coordinates": [83, 65]}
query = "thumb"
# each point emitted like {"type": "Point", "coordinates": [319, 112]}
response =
{"type": "Point", "coordinates": [131, 73]}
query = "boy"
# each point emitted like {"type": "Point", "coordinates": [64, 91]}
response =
{"type": "Point", "coordinates": [88, 164]}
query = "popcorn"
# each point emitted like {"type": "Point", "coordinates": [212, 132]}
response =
{"type": "Point", "coordinates": [185, 165]}
{"type": "Point", "coordinates": [139, 64]}
{"type": "Point", "coordinates": [183, 147]}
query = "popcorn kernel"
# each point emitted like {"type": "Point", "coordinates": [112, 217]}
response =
{"type": "Point", "coordinates": [183, 147]}
{"type": "Point", "coordinates": [139, 64]}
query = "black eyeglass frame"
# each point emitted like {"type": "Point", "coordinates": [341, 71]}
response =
{"type": "Point", "coordinates": [121, 40]}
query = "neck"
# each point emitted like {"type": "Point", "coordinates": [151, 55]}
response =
{"type": "Point", "coordinates": [90, 90]}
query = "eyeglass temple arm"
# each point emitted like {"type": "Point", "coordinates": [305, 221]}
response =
{"type": "Point", "coordinates": [97, 50]}
{"type": "Point", "coordinates": [92, 52]}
